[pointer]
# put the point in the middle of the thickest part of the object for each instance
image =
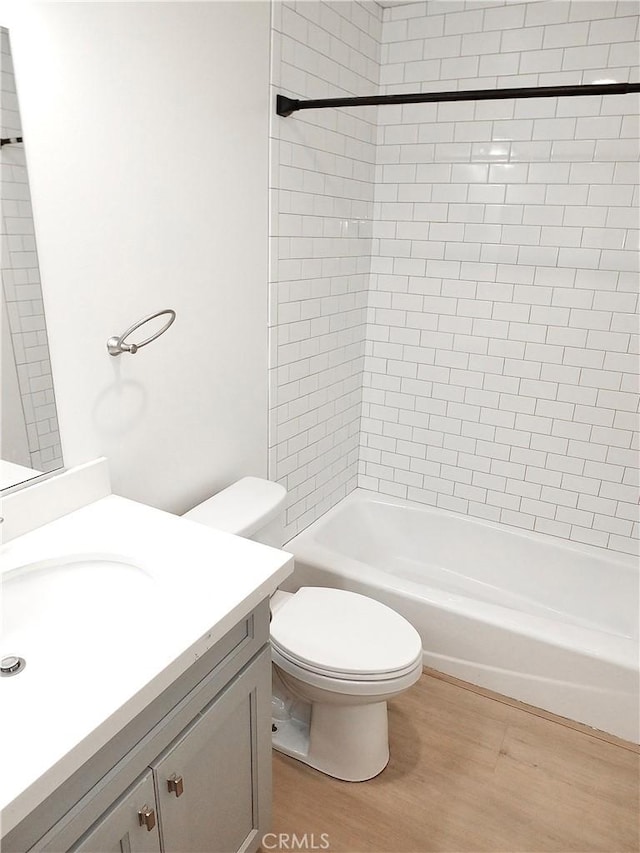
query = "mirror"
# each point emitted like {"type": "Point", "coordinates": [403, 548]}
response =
{"type": "Point", "coordinates": [29, 434]}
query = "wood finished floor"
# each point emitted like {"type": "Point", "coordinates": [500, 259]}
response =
{"type": "Point", "coordinates": [469, 773]}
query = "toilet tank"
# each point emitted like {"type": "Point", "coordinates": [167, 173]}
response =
{"type": "Point", "coordinates": [252, 507]}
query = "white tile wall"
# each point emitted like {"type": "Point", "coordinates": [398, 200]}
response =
{"type": "Point", "coordinates": [501, 370]}
{"type": "Point", "coordinates": [322, 176]}
{"type": "Point", "coordinates": [21, 283]}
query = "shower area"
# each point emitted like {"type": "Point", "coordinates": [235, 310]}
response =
{"type": "Point", "coordinates": [453, 286]}
{"type": "Point", "coordinates": [453, 324]}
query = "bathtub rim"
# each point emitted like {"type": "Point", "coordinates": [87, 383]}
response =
{"type": "Point", "coordinates": [619, 649]}
{"type": "Point", "coordinates": [360, 494]}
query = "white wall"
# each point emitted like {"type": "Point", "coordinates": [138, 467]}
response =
{"type": "Point", "coordinates": [146, 128]}
{"type": "Point", "coordinates": [502, 370]}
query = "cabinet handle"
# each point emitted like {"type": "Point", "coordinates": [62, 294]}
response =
{"type": "Point", "coordinates": [175, 785]}
{"type": "Point", "coordinates": [147, 817]}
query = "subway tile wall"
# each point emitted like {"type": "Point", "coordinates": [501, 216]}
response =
{"type": "Point", "coordinates": [501, 368]}
{"type": "Point", "coordinates": [322, 185]}
{"type": "Point", "coordinates": [21, 285]}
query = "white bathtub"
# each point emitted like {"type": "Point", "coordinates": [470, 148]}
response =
{"type": "Point", "coordinates": [547, 622]}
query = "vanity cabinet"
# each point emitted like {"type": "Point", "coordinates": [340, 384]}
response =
{"type": "Point", "coordinates": [204, 804]}
{"type": "Point", "coordinates": [130, 825]}
{"type": "Point", "coordinates": [192, 773]}
{"type": "Point", "coordinates": [199, 794]}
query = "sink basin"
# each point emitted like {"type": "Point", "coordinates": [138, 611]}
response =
{"type": "Point", "coordinates": [51, 607]}
{"type": "Point", "coordinates": [67, 615]}
{"type": "Point", "coordinates": [108, 605]}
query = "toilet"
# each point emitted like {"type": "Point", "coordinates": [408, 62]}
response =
{"type": "Point", "coordinates": [338, 656]}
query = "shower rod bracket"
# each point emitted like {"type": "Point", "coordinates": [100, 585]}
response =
{"type": "Point", "coordinates": [286, 106]}
{"type": "Point", "coordinates": [10, 140]}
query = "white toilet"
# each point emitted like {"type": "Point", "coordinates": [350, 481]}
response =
{"type": "Point", "coordinates": [338, 656]}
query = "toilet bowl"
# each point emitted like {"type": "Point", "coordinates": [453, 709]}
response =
{"type": "Point", "coordinates": [338, 656]}
{"type": "Point", "coordinates": [342, 656]}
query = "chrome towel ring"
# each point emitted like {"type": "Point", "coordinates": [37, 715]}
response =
{"type": "Point", "coordinates": [116, 344]}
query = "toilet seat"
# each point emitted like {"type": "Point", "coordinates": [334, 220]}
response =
{"type": "Point", "coordinates": [360, 689]}
{"type": "Point", "coordinates": [286, 657]}
{"type": "Point", "coordinates": [344, 635]}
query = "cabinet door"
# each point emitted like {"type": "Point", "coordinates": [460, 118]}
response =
{"type": "Point", "coordinates": [129, 826]}
{"type": "Point", "coordinates": [213, 783]}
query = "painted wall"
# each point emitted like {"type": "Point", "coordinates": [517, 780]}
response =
{"type": "Point", "coordinates": [146, 128]}
{"type": "Point", "coordinates": [30, 435]}
{"type": "Point", "coordinates": [322, 181]}
{"type": "Point", "coordinates": [501, 377]}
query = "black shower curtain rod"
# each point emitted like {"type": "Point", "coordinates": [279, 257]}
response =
{"type": "Point", "coordinates": [286, 106]}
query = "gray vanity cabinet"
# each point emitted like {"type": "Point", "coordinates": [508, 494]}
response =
{"type": "Point", "coordinates": [129, 826]}
{"type": "Point", "coordinates": [204, 804]}
{"type": "Point", "coordinates": [202, 792]}
{"type": "Point", "coordinates": [190, 774]}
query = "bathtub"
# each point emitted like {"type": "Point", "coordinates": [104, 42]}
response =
{"type": "Point", "coordinates": [530, 616]}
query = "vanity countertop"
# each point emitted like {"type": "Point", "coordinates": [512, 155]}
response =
{"type": "Point", "coordinates": [163, 592]}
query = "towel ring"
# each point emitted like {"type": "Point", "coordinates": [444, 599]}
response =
{"type": "Point", "coordinates": [116, 344]}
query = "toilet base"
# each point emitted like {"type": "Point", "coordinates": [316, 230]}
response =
{"type": "Point", "coordinates": [348, 742]}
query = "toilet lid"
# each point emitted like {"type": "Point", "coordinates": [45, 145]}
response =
{"type": "Point", "coordinates": [333, 631]}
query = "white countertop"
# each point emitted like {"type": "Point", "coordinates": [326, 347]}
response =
{"type": "Point", "coordinates": [11, 473]}
{"type": "Point", "coordinates": [93, 668]}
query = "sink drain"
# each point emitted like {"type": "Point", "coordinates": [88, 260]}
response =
{"type": "Point", "coordinates": [11, 665]}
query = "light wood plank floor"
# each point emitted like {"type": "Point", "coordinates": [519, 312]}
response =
{"type": "Point", "coordinates": [469, 773]}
